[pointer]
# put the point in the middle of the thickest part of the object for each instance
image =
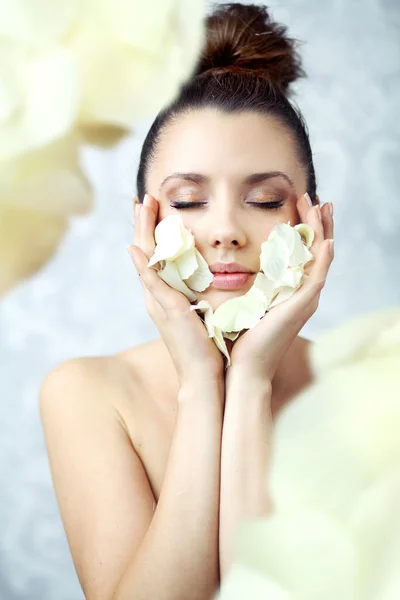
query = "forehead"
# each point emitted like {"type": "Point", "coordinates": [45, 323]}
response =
{"type": "Point", "coordinates": [221, 145]}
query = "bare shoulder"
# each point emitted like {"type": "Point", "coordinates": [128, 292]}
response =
{"type": "Point", "coordinates": [97, 381]}
{"type": "Point", "coordinates": [104, 495]}
{"type": "Point", "coordinates": [114, 379]}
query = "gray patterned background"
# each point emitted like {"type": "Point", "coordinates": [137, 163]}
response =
{"type": "Point", "coordinates": [87, 301]}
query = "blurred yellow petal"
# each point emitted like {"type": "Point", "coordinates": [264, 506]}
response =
{"type": "Point", "coordinates": [375, 525]}
{"type": "Point", "coordinates": [245, 583]}
{"type": "Point", "coordinates": [371, 334]}
{"type": "Point", "coordinates": [39, 191]}
{"type": "Point", "coordinates": [48, 180]}
{"type": "Point", "coordinates": [334, 481]}
{"type": "Point", "coordinates": [41, 95]}
{"type": "Point", "coordinates": [133, 60]}
{"type": "Point", "coordinates": [131, 21]}
{"type": "Point", "coordinates": [304, 552]}
{"type": "Point", "coordinates": [38, 23]}
{"type": "Point", "coordinates": [28, 240]}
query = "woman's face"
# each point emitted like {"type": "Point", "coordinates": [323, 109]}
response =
{"type": "Point", "coordinates": [230, 164]}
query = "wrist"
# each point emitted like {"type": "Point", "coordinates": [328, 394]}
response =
{"type": "Point", "coordinates": [243, 376]}
{"type": "Point", "coordinates": [202, 387]}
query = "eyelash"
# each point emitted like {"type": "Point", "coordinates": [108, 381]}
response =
{"type": "Point", "coordinates": [265, 205]}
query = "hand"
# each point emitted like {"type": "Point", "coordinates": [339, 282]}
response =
{"type": "Point", "coordinates": [258, 351]}
{"type": "Point", "coordinates": [193, 353]}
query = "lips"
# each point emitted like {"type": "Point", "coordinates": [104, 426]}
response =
{"type": "Point", "coordinates": [231, 267]}
{"type": "Point", "coordinates": [231, 281]}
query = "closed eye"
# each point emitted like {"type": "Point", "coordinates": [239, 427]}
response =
{"type": "Point", "coordinates": [187, 204]}
{"type": "Point", "coordinates": [266, 205]}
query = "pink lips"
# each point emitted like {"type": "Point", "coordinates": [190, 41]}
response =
{"type": "Point", "coordinates": [230, 281]}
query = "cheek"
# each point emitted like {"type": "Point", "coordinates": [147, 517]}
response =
{"type": "Point", "coordinates": [293, 215]}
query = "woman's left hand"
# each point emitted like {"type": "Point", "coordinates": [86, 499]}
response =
{"type": "Point", "coordinates": [258, 352]}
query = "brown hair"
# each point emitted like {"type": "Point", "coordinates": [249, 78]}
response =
{"type": "Point", "coordinates": [247, 64]}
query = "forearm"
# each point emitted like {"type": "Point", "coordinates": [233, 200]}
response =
{"type": "Point", "coordinates": [245, 457]}
{"type": "Point", "coordinates": [178, 558]}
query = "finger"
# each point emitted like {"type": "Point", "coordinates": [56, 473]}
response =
{"type": "Point", "coordinates": [305, 300]}
{"type": "Point", "coordinates": [152, 203]}
{"type": "Point", "coordinates": [323, 261]}
{"type": "Point", "coordinates": [314, 219]}
{"type": "Point", "coordinates": [148, 218]}
{"type": "Point", "coordinates": [303, 206]}
{"type": "Point", "coordinates": [327, 220]}
{"type": "Point", "coordinates": [167, 297]}
{"type": "Point", "coordinates": [153, 307]}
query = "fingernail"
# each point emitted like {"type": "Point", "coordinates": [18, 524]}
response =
{"type": "Point", "coordinates": [145, 199]}
{"type": "Point", "coordinates": [319, 212]}
{"type": "Point", "coordinates": [331, 209]}
{"type": "Point", "coordinates": [307, 197]}
{"type": "Point", "coordinates": [332, 248]}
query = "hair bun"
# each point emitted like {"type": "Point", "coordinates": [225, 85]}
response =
{"type": "Point", "coordinates": [240, 36]}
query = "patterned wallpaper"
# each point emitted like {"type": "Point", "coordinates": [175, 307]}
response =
{"type": "Point", "coordinates": [87, 301]}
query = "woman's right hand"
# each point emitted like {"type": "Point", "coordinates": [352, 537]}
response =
{"type": "Point", "coordinates": [193, 353]}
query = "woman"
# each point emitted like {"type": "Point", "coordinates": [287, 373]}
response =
{"type": "Point", "coordinates": [158, 451]}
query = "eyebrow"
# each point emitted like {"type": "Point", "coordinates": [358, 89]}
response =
{"type": "Point", "coordinates": [250, 180]}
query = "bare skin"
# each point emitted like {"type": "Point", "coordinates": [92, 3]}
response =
{"type": "Point", "coordinates": [120, 429]}
{"type": "Point", "coordinates": [147, 405]}
{"type": "Point", "coordinates": [224, 149]}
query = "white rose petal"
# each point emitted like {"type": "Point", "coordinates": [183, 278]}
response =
{"type": "Point", "coordinates": [202, 277]}
{"type": "Point", "coordinates": [286, 233]}
{"type": "Point", "coordinates": [284, 294]}
{"type": "Point", "coordinates": [231, 335]}
{"type": "Point", "coordinates": [292, 277]}
{"type": "Point", "coordinates": [242, 312]}
{"type": "Point", "coordinates": [309, 256]}
{"type": "Point", "coordinates": [298, 256]}
{"type": "Point", "coordinates": [213, 331]}
{"type": "Point", "coordinates": [206, 309]}
{"type": "Point", "coordinates": [172, 239]}
{"type": "Point", "coordinates": [282, 260]}
{"type": "Point", "coordinates": [274, 258]}
{"type": "Point", "coordinates": [265, 285]}
{"type": "Point", "coordinates": [170, 275]}
{"type": "Point", "coordinates": [186, 263]}
{"type": "Point", "coordinates": [221, 345]}
{"type": "Point", "coordinates": [306, 232]}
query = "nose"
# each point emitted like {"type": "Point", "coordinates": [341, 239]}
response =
{"type": "Point", "coordinates": [225, 230]}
